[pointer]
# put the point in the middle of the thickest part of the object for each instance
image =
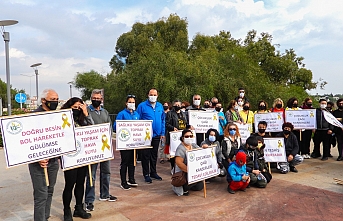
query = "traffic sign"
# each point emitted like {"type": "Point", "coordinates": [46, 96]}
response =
{"type": "Point", "coordinates": [20, 98]}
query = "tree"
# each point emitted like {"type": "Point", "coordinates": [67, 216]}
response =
{"type": "Point", "coordinates": [3, 95]}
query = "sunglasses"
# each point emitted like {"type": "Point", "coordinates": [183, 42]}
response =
{"type": "Point", "coordinates": [232, 128]}
{"type": "Point", "coordinates": [131, 96]}
{"type": "Point", "coordinates": [188, 136]}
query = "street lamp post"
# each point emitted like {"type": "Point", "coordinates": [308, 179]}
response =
{"type": "Point", "coordinates": [30, 76]}
{"type": "Point", "coordinates": [70, 85]}
{"type": "Point", "coordinates": [6, 36]}
{"type": "Point", "coordinates": [34, 66]}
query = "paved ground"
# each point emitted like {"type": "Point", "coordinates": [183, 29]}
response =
{"type": "Point", "coordinates": [310, 194]}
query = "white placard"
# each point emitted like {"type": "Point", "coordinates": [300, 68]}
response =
{"type": "Point", "coordinates": [302, 119]}
{"type": "Point", "coordinates": [274, 121]}
{"type": "Point", "coordinates": [203, 120]}
{"type": "Point", "coordinates": [332, 119]}
{"type": "Point", "coordinates": [133, 134]}
{"type": "Point", "coordinates": [275, 150]}
{"type": "Point", "coordinates": [175, 141]}
{"type": "Point", "coordinates": [244, 131]}
{"type": "Point", "coordinates": [36, 136]}
{"type": "Point", "coordinates": [201, 164]}
{"type": "Point", "coordinates": [93, 143]}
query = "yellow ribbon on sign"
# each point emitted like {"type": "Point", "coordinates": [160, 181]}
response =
{"type": "Point", "coordinates": [147, 134]}
{"type": "Point", "coordinates": [212, 153]}
{"type": "Point", "coordinates": [65, 121]}
{"type": "Point", "coordinates": [279, 117]}
{"type": "Point", "coordinates": [311, 114]}
{"type": "Point", "coordinates": [279, 144]}
{"type": "Point", "coordinates": [104, 143]}
{"type": "Point", "coordinates": [215, 117]}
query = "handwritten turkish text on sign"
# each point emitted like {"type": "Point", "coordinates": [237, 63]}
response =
{"type": "Point", "coordinates": [133, 134]}
{"type": "Point", "coordinates": [203, 120]}
{"type": "Point", "coordinates": [201, 164]}
{"type": "Point", "coordinates": [274, 121]}
{"type": "Point", "coordinates": [302, 119]}
{"type": "Point", "coordinates": [175, 141]}
{"type": "Point", "coordinates": [244, 131]}
{"type": "Point", "coordinates": [275, 150]}
{"type": "Point", "coordinates": [33, 137]}
{"type": "Point", "coordinates": [93, 143]}
{"type": "Point", "coordinates": [332, 119]}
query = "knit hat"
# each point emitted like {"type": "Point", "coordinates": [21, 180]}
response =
{"type": "Point", "coordinates": [241, 158]}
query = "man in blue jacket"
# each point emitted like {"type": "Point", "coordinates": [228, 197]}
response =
{"type": "Point", "coordinates": [152, 110]}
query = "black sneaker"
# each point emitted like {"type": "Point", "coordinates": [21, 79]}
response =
{"type": "Point", "coordinates": [314, 155]}
{"type": "Point", "coordinates": [147, 179]}
{"type": "Point", "coordinates": [132, 183]}
{"type": "Point", "coordinates": [89, 206]}
{"type": "Point", "coordinates": [293, 169]}
{"type": "Point", "coordinates": [186, 193]}
{"type": "Point", "coordinates": [125, 186]}
{"type": "Point", "coordinates": [230, 190]}
{"type": "Point", "coordinates": [156, 176]}
{"type": "Point", "coordinates": [110, 198]}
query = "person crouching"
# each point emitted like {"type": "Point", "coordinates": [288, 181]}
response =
{"type": "Point", "coordinates": [237, 177]}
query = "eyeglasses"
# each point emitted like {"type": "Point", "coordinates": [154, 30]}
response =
{"type": "Point", "coordinates": [188, 136]}
{"type": "Point", "coordinates": [131, 96]}
{"type": "Point", "coordinates": [232, 128]}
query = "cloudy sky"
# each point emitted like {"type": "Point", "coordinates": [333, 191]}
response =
{"type": "Point", "coordinates": [79, 35]}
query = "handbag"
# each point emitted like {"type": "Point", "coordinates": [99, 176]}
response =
{"type": "Point", "coordinates": [178, 179]}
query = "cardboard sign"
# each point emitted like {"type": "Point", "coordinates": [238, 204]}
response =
{"type": "Point", "coordinates": [93, 143]}
{"type": "Point", "coordinates": [331, 119]}
{"type": "Point", "coordinates": [175, 141]}
{"type": "Point", "coordinates": [244, 131]}
{"type": "Point", "coordinates": [275, 150]}
{"type": "Point", "coordinates": [133, 134]}
{"type": "Point", "coordinates": [203, 120]}
{"type": "Point", "coordinates": [274, 121]}
{"type": "Point", "coordinates": [33, 137]}
{"type": "Point", "coordinates": [302, 119]}
{"type": "Point", "coordinates": [201, 164]}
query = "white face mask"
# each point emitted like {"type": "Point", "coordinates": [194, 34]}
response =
{"type": "Point", "coordinates": [240, 103]}
{"type": "Point", "coordinates": [196, 102]}
{"type": "Point", "coordinates": [152, 99]}
{"type": "Point", "coordinates": [241, 94]}
{"type": "Point", "coordinates": [236, 107]}
{"type": "Point", "coordinates": [323, 106]}
{"type": "Point", "coordinates": [188, 141]}
{"type": "Point", "coordinates": [131, 106]}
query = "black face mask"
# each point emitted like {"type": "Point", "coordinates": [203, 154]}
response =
{"type": "Point", "coordinates": [177, 108]}
{"type": "Point", "coordinates": [260, 107]}
{"type": "Point", "coordinates": [183, 107]}
{"type": "Point", "coordinates": [218, 109]}
{"type": "Point", "coordinates": [214, 104]}
{"type": "Point", "coordinates": [206, 106]}
{"type": "Point", "coordinates": [96, 103]}
{"type": "Point", "coordinates": [76, 113]}
{"type": "Point", "coordinates": [309, 104]}
{"type": "Point", "coordinates": [261, 130]}
{"type": "Point", "coordinates": [52, 105]}
{"type": "Point", "coordinates": [246, 107]}
{"type": "Point", "coordinates": [295, 105]}
{"type": "Point", "coordinates": [278, 105]}
{"type": "Point", "coordinates": [165, 107]}
{"type": "Point", "coordinates": [286, 132]}
{"type": "Point", "coordinates": [340, 107]}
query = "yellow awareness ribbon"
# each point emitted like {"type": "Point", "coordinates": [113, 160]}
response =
{"type": "Point", "coordinates": [215, 117]}
{"type": "Point", "coordinates": [147, 134]}
{"type": "Point", "coordinates": [279, 117]}
{"type": "Point", "coordinates": [279, 144]}
{"type": "Point", "coordinates": [65, 121]}
{"type": "Point", "coordinates": [104, 141]}
{"type": "Point", "coordinates": [311, 114]}
{"type": "Point", "coordinates": [212, 153]}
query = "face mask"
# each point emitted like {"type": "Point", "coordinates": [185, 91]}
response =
{"type": "Point", "coordinates": [309, 104]}
{"type": "Point", "coordinates": [278, 105]}
{"type": "Point", "coordinates": [246, 107]}
{"type": "Point", "coordinates": [232, 132]}
{"type": "Point", "coordinates": [218, 109]}
{"type": "Point", "coordinates": [165, 107]}
{"type": "Point", "coordinates": [241, 94]}
{"type": "Point", "coordinates": [152, 99]}
{"type": "Point", "coordinates": [183, 107]}
{"type": "Point", "coordinates": [177, 108]}
{"type": "Point", "coordinates": [131, 106]}
{"type": "Point", "coordinates": [196, 102]}
{"type": "Point", "coordinates": [261, 107]}
{"type": "Point", "coordinates": [96, 103]}
{"type": "Point", "coordinates": [240, 103]}
{"type": "Point", "coordinates": [206, 106]}
{"type": "Point", "coordinates": [214, 104]}
{"type": "Point", "coordinates": [76, 113]}
{"type": "Point", "coordinates": [329, 108]}
{"type": "Point", "coordinates": [188, 141]}
{"type": "Point", "coordinates": [286, 132]}
{"type": "Point", "coordinates": [212, 138]}
{"type": "Point", "coordinates": [295, 105]}
{"type": "Point", "coordinates": [323, 106]}
{"type": "Point", "coordinates": [236, 107]}
{"type": "Point", "coordinates": [259, 145]}
{"type": "Point", "coordinates": [340, 107]}
{"type": "Point", "coordinates": [261, 130]}
{"type": "Point", "coordinates": [52, 105]}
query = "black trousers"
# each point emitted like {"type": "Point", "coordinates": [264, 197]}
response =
{"type": "Point", "coordinates": [339, 137]}
{"type": "Point", "coordinates": [319, 137]}
{"type": "Point", "coordinates": [127, 165]}
{"type": "Point", "coordinates": [172, 162]}
{"type": "Point", "coordinates": [149, 157]}
{"type": "Point", "coordinates": [306, 141]}
{"type": "Point", "coordinates": [74, 179]}
{"type": "Point", "coordinates": [297, 134]}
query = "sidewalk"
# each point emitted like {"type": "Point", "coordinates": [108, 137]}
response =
{"type": "Point", "coordinates": [310, 194]}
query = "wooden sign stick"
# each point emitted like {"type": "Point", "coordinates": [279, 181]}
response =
{"type": "Point", "coordinates": [46, 176]}
{"type": "Point", "coordinates": [269, 168]}
{"type": "Point", "coordinates": [134, 157]}
{"type": "Point", "coordinates": [90, 175]}
{"type": "Point", "coordinates": [300, 135]}
{"type": "Point", "coordinates": [204, 188]}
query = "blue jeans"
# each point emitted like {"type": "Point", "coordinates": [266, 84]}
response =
{"type": "Point", "coordinates": [42, 194]}
{"type": "Point", "coordinates": [105, 174]}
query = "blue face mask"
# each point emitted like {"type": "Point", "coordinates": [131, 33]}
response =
{"type": "Point", "coordinates": [232, 132]}
{"type": "Point", "coordinates": [212, 138]}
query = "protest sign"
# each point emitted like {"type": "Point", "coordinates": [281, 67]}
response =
{"type": "Point", "coordinates": [175, 141]}
{"type": "Point", "coordinates": [331, 119]}
{"type": "Point", "coordinates": [33, 137]}
{"type": "Point", "coordinates": [203, 120]}
{"type": "Point", "coordinates": [244, 131]}
{"type": "Point", "coordinates": [275, 150]}
{"type": "Point", "coordinates": [302, 119]}
{"type": "Point", "coordinates": [133, 134]}
{"type": "Point", "coordinates": [93, 143]}
{"type": "Point", "coordinates": [274, 121]}
{"type": "Point", "coordinates": [201, 164]}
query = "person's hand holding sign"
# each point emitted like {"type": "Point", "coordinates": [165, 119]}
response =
{"type": "Point", "coordinates": [44, 163]}
{"type": "Point", "coordinates": [290, 158]}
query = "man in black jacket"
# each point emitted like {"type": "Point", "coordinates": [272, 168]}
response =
{"type": "Point", "coordinates": [338, 131]}
{"type": "Point", "coordinates": [323, 133]}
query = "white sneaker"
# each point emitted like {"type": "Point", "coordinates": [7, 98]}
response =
{"type": "Point", "coordinates": [304, 156]}
{"type": "Point", "coordinates": [308, 156]}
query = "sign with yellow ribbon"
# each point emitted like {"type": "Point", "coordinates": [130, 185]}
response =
{"type": "Point", "coordinates": [274, 150]}
{"type": "Point", "coordinates": [274, 121]}
{"type": "Point", "coordinates": [302, 119]}
{"type": "Point", "coordinates": [203, 120]}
